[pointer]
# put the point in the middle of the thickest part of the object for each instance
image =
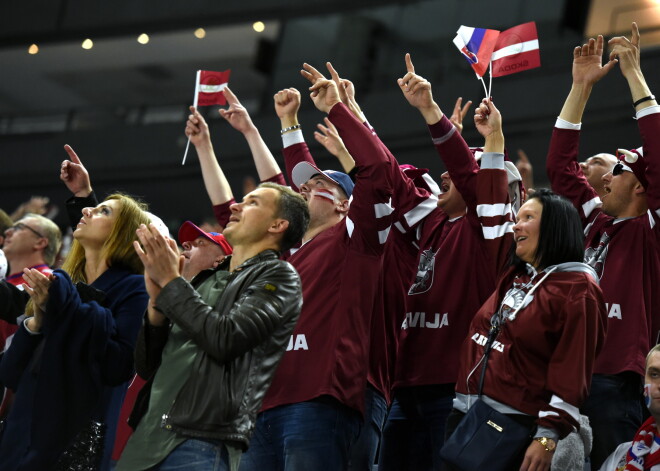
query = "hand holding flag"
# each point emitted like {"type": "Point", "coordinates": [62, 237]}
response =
{"type": "Point", "coordinates": [208, 91]}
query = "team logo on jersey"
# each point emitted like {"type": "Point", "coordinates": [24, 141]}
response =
{"type": "Point", "coordinates": [424, 277]}
{"type": "Point", "coordinates": [595, 257]}
{"type": "Point", "coordinates": [514, 300]}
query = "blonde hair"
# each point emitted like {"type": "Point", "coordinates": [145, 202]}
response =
{"type": "Point", "coordinates": [118, 248]}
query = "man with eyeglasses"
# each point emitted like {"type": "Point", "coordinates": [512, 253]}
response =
{"type": "Point", "coordinates": [32, 242]}
{"type": "Point", "coordinates": [622, 239]}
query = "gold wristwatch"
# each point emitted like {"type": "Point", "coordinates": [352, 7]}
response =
{"type": "Point", "coordinates": [547, 443]}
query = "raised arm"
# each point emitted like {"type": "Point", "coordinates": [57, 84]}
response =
{"type": "Point", "coordinates": [449, 144]}
{"type": "Point", "coordinates": [239, 118]}
{"type": "Point", "coordinates": [648, 117]}
{"type": "Point", "coordinates": [76, 178]}
{"type": "Point", "coordinates": [566, 177]}
{"type": "Point", "coordinates": [217, 186]}
{"type": "Point", "coordinates": [294, 148]}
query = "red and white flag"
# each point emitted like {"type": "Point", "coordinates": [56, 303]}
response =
{"type": "Point", "coordinates": [517, 49]}
{"type": "Point", "coordinates": [209, 87]}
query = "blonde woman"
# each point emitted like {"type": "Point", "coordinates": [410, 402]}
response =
{"type": "Point", "coordinates": [71, 358]}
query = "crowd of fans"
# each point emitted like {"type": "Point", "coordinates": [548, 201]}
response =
{"type": "Point", "coordinates": [354, 318]}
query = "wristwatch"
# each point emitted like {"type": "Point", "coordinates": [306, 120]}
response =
{"type": "Point", "coordinates": [547, 443]}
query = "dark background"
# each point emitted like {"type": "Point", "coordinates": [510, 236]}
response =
{"type": "Point", "coordinates": [122, 105]}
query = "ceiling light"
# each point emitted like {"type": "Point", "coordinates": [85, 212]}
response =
{"type": "Point", "coordinates": [87, 44]}
{"type": "Point", "coordinates": [258, 26]}
{"type": "Point", "coordinates": [143, 38]}
{"type": "Point", "coordinates": [33, 49]}
{"type": "Point", "coordinates": [200, 33]}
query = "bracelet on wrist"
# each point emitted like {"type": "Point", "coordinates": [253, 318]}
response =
{"type": "Point", "coordinates": [290, 128]}
{"type": "Point", "coordinates": [642, 100]}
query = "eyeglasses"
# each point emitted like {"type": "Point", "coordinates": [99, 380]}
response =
{"type": "Point", "coordinates": [617, 169]}
{"type": "Point", "coordinates": [19, 226]}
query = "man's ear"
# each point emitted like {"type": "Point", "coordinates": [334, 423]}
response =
{"type": "Point", "coordinates": [41, 243]}
{"type": "Point", "coordinates": [639, 189]}
{"type": "Point", "coordinates": [278, 226]}
{"type": "Point", "coordinates": [342, 206]}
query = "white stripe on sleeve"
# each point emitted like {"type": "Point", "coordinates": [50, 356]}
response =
{"type": "Point", "coordinates": [383, 209]}
{"type": "Point", "coordinates": [420, 211]}
{"type": "Point", "coordinates": [445, 138]}
{"type": "Point", "coordinates": [493, 232]}
{"type": "Point", "coordinates": [492, 210]}
{"type": "Point", "coordinates": [382, 235]}
{"type": "Point", "coordinates": [350, 226]}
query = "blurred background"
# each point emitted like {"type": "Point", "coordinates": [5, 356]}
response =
{"type": "Point", "coordinates": [114, 80]}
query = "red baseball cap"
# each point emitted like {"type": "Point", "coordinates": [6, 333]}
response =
{"type": "Point", "coordinates": [189, 232]}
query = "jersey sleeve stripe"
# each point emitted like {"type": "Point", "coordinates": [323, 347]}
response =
{"type": "Point", "coordinates": [350, 226]}
{"type": "Point", "coordinates": [492, 210]}
{"type": "Point", "coordinates": [445, 138]}
{"type": "Point", "coordinates": [494, 232]}
{"type": "Point", "coordinates": [382, 235]}
{"type": "Point", "coordinates": [647, 111]}
{"type": "Point", "coordinates": [383, 209]}
{"type": "Point", "coordinates": [420, 211]}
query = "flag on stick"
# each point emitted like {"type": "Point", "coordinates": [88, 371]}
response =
{"type": "Point", "coordinates": [517, 49]}
{"type": "Point", "coordinates": [209, 87]}
{"type": "Point", "coordinates": [208, 91]}
{"type": "Point", "coordinates": [476, 45]}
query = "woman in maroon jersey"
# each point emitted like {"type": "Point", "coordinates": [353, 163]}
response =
{"type": "Point", "coordinates": [551, 318]}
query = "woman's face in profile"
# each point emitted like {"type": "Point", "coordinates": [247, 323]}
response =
{"type": "Point", "coordinates": [526, 230]}
{"type": "Point", "coordinates": [96, 224]}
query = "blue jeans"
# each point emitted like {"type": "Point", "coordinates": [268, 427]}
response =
{"type": "Point", "coordinates": [363, 453]}
{"type": "Point", "coordinates": [196, 455]}
{"type": "Point", "coordinates": [415, 428]}
{"type": "Point", "coordinates": [313, 435]}
{"type": "Point", "coordinates": [614, 408]}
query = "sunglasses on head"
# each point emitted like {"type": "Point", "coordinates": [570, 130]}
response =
{"type": "Point", "coordinates": [617, 169]}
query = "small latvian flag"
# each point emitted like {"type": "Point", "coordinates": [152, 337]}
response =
{"type": "Point", "coordinates": [517, 49]}
{"type": "Point", "coordinates": [209, 87]}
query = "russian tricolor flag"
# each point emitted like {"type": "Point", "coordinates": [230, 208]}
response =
{"type": "Point", "coordinates": [476, 45]}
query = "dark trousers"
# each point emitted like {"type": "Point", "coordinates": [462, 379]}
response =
{"type": "Point", "coordinates": [415, 428]}
{"type": "Point", "coordinates": [614, 408]}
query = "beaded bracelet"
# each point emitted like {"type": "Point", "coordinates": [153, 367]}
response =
{"type": "Point", "coordinates": [290, 128]}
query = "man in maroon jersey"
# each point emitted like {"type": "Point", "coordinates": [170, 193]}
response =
{"type": "Point", "coordinates": [622, 239]}
{"type": "Point", "coordinates": [462, 244]}
{"type": "Point", "coordinates": [312, 411]}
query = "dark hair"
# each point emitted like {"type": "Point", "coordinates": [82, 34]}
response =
{"type": "Point", "coordinates": [291, 207]}
{"type": "Point", "coordinates": [561, 238]}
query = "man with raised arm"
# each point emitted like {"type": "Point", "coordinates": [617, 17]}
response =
{"type": "Point", "coordinates": [312, 412]}
{"type": "Point", "coordinates": [622, 238]}
{"type": "Point", "coordinates": [462, 244]}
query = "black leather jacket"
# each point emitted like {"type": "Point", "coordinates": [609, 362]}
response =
{"type": "Point", "coordinates": [241, 341]}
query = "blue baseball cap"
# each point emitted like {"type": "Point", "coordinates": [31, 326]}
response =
{"type": "Point", "coordinates": [303, 171]}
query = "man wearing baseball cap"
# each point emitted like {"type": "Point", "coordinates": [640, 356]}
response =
{"type": "Point", "coordinates": [202, 250]}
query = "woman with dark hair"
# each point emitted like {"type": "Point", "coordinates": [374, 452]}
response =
{"type": "Point", "coordinates": [72, 356]}
{"type": "Point", "coordinates": [549, 319]}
